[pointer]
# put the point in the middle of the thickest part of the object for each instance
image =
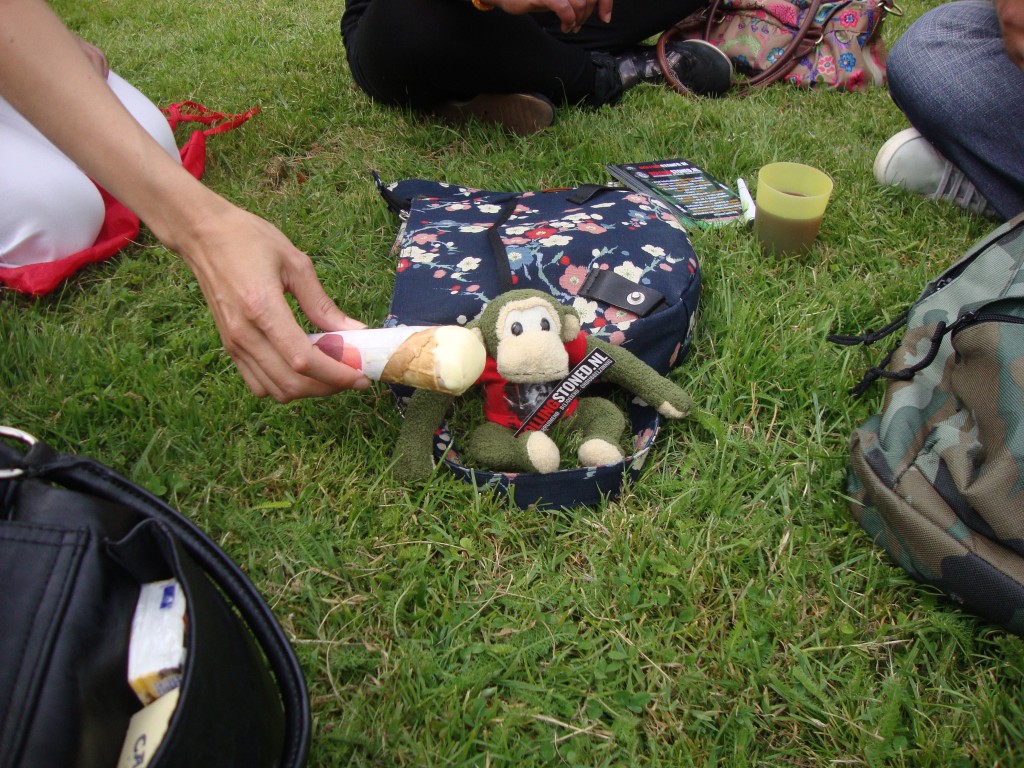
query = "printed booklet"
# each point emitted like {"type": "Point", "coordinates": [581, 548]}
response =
{"type": "Point", "coordinates": [697, 196]}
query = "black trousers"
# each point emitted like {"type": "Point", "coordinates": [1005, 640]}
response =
{"type": "Point", "coordinates": [421, 52]}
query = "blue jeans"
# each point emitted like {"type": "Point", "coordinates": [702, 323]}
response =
{"type": "Point", "coordinates": [951, 76]}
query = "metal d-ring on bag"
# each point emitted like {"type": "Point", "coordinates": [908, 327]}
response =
{"type": "Point", "coordinates": [76, 542]}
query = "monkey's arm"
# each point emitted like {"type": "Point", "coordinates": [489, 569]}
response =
{"type": "Point", "coordinates": [414, 452]}
{"type": "Point", "coordinates": [633, 374]}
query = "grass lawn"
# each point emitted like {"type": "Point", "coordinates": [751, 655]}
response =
{"type": "Point", "coordinates": [726, 610]}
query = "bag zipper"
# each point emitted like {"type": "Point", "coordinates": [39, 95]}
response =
{"type": "Point", "coordinates": [395, 204]}
{"type": "Point", "coordinates": [974, 317]}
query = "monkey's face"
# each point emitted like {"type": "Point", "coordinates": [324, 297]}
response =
{"type": "Point", "coordinates": [530, 345]}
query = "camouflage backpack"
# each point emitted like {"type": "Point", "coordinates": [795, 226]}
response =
{"type": "Point", "coordinates": [937, 478]}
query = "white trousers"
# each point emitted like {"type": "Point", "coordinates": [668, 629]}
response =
{"type": "Point", "coordinates": [49, 209]}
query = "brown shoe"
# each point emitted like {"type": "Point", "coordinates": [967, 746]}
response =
{"type": "Point", "coordinates": [520, 113]}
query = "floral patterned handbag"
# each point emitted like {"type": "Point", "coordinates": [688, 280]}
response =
{"type": "Point", "coordinates": [805, 42]}
{"type": "Point", "coordinates": [620, 258]}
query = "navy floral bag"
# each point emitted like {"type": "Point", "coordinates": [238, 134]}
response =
{"type": "Point", "coordinates": [620, 258]}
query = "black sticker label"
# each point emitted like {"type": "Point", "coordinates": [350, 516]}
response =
{"type": "Point", "coordinates": [568, 390]}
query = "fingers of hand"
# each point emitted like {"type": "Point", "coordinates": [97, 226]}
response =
{"type": "Point", "coordinates": [271, 346]}
{"type": "Point", "coordinates": [573, 13]}
{"type": "Point", "coordinates": [96, 57]}
{"type": "Point", "coordinates": [259, 331]}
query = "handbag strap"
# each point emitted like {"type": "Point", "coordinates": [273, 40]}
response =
{"type": "Point", "coordinates": [501, 262]}
{"type": "Point", "coordinates": [580, 195]}
{"type": "Point", "coordinates": [804, 39]}
{"type": "Point", "coordinates": [89, 476]}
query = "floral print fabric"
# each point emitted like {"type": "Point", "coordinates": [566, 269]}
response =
{"type": "Point", "coordinates": [447, 269]}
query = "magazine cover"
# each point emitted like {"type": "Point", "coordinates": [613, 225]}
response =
{"type": "Point", "coordinates": [699, 197]}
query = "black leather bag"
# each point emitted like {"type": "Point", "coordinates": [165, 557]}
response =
{"type": "Point", "coordinates": [76, 542]}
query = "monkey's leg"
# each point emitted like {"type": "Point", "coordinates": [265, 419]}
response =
{"type": "Point", "coordinates": [494, 447]}
{"type": "Point", "coordinates": [601, 424]}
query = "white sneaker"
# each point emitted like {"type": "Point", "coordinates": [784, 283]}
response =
{"type": "Point", "coordinates": [909, 161]}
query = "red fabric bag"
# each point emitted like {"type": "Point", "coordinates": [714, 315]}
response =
{"type": "Point", "coordinates": [120, 226]}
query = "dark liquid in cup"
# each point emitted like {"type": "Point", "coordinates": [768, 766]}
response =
{"type": "Point", "coordinates": [786, 236]}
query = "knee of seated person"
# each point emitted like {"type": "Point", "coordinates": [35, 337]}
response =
{"type": "Point", "coordinates": [156, 125]}
{"type": "Point", "coordinates": [894, 69]}
{"type": "Point", "coordinates": [145, 112]}
{"type": "Point", "coordinates": [914, 85]}
{"type": "Point", "coordinates": [47, 223]}
{"type": "Point", "coordinates": [924, 55]}
{"type": "Point", "coordinates": [430, 32]}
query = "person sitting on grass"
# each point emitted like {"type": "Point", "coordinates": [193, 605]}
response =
{"type": "Point", "coordinates": [53, 86]}
{"type": "Point", "coordinates": [511, 61]}
{"type": "Point", "coordinates": [958, 75]}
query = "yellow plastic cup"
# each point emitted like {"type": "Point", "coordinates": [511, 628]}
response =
{"type": "Point", "coordinates": [791, 201]}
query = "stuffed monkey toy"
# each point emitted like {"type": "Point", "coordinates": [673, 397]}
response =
{"type": "Point", "coordinates": [532, 343]}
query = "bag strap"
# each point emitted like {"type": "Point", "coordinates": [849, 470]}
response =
{"type": "Point", "coordinates": [870, 337]}
{"type": "Point", "coordinates": [193, 150]}
{"type": "Point", "coordinates": [86, 475]}
{"type": "Point", "coordinates": [804, 39]}
{"type": "Point", "coordinates": [498, 248]}
{"type": "Point", "coordinates": [580, 195]}
{"type": "Point", "coordinates": [194, 112]}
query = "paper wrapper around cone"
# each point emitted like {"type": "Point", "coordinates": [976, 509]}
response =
{"type": "Point", "coordinates": [447, 358]}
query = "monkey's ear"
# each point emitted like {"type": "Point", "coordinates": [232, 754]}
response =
{"type": "Point", "coordinates": [479, 334]}
{"type": "Point", "coordinates": [570, 326]}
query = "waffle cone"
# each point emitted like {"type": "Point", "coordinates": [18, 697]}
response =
{"type": "Point", "coordinates": [444, 359]}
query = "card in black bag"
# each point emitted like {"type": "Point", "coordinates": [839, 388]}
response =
{"type": "Point", "coordinates": [76, 542]}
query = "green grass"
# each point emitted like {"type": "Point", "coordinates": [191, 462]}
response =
{"type": "Point", "coordinates": [726, 610]}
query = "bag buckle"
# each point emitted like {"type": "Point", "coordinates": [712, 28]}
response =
{"type": "Point", "coordinates": [21, 436]}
